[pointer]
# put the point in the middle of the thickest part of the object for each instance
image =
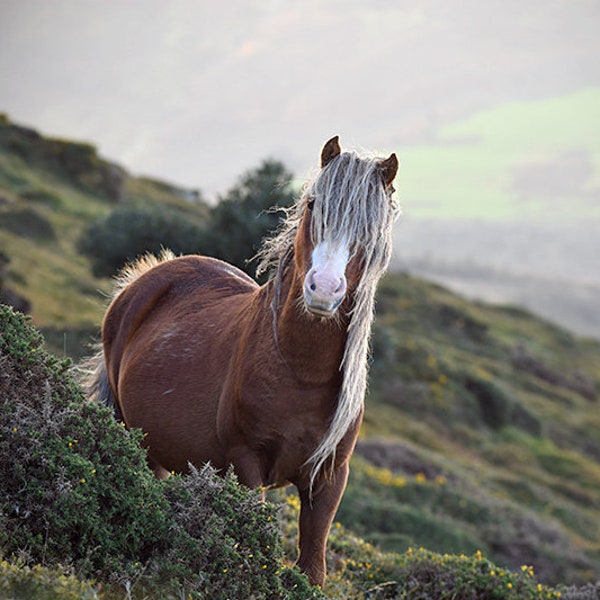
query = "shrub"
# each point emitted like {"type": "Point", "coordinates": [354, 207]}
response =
{"type": "Point", "coordinates": [419, 574]}
{"type": "Point", "coordinates": [498, 408]}
{"type": "Point", "coordinates": [232, 231]}
{"type": "Point", "coordinates": [225, 542]}
{"type": "Point", "coordinates": [74, 484]}
{"type": "Point", "coordinates": [129, 231]}
{"type": "Point", "coordinates": [75, 490]}
{"type": "Point", "coordinates": [359, 570]}
{"type": "Point", "coordinates": [19, 581]}
{"type": "Point", "coordinates": [28, 223]}
{"type": "Point", "coordinates": [245, 215]}
{"type": "Point", "coordinates": [494, 402]}
{"type": "Point", "coordinates": [42, 195]}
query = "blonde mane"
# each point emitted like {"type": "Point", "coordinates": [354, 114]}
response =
{"type": "Point", "coordinates": [351, 205]}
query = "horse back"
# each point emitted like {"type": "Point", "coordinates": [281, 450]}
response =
{"type": "Point", "coordinates": [176, 286]}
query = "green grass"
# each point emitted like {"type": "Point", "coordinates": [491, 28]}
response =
{"type": "Point", "coordinates": [519, 449]}
{"type": "Point", "coordinates": [469, 173]}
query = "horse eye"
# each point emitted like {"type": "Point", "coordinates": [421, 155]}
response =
{"type": "Point", "coordinates": [310, 204]}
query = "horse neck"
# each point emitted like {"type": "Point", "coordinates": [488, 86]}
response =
{"type": "Point", "coordinates": [313, 348]}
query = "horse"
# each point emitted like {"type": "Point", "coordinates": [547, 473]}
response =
{"type": "Point", "coordinates": [267, 379]}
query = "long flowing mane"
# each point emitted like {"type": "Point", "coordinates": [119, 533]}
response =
{"type": "Point", "coordinates": [351, 206]}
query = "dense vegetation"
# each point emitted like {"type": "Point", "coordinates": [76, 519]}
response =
{"type": "Point", "coordinates": [480, 438]}
{"type": "Point", "coordinates": [231, 230]}
{"type": "Point", "coordinates": [75, 490]}
{"type": "Point", "coordinates": [70, 219]}
{"type": "Point", "coordinates": [76, 494]}
{"type": "Point", "coordinates": [488, 420]}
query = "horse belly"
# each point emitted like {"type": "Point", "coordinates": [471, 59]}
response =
{"type": "Point", "coordinates": [178, 420]}
{"type": "Point", "coordinates": [170, 388]}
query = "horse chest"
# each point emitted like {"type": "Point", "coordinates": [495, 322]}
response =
{"type": "Point", "coordinates": [284, 405]}
{"type": "Point", "coordinates": [283, 423]}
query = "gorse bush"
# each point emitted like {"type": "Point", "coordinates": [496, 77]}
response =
{"type": "Point", "coordinates": [362, 571]}
{"type": "Point", "coordinates": [75, 486]}
{"type": "Point", "coordinates": [225, 542]}
{"type": "Point", "coordinates": [75, 491]}
{"type": "Point", "coordinates": [419, 574]}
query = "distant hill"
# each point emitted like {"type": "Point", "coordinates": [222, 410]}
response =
{"type": "Point", "coordinates": [519, 161]}
{"type": "Point", "coordinates": [481, 429]}
{"type": "Point", "coordinates": [551, 268]}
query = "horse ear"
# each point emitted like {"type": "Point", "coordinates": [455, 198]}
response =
{"type": "Point", "coordinates": [388, 169]}
{"type": "Point", "coordinates": [330, 150]}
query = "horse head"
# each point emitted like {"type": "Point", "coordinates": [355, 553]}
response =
{"type": "Point", "coordinates": [343, 217]}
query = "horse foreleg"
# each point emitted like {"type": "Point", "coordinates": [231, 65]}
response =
{"type": "Point", "coordinates": [316, 516]}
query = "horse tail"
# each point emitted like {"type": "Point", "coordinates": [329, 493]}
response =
{"type": "Point", "coordinates": [94, 380]}
{"type": "Point", "coordinates": [131, 271]}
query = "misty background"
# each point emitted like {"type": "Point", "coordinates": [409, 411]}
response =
{"type": "Point", "coordinates": [493, 108]}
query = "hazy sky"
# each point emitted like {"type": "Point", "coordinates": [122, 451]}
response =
{"type": "Point", "coordinates": [196, 92]}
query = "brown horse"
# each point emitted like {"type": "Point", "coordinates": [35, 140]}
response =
{"type": "Point", "coordinates": [268, 379]}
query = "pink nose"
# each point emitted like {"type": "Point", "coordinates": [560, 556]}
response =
{"type": "Point", "coordinates": [325, 283]}
{"type": "Point", "coordinates": [324, 291]}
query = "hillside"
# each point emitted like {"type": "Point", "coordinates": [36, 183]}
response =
{"type": "Point", "coordinates": [552, 269]}
{"type": "Point", "coordinates": [51, 190]}
{"type": "Point", "coordinates": [81, 499]}
{"type": "Point", "coordinates": [481, 432]}
{"type": "Point", "coordinates": [481, 425]}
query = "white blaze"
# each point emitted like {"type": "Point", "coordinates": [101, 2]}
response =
{"type": "Point", "coordinates": [325, 283]}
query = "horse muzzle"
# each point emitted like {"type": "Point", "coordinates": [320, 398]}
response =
{"type": "Point", "coordinates": [323, 292]}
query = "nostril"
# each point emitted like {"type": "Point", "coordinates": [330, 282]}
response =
{"type": "Point", "coordinates": [325, 284]}
{"type": "Point", "coordinates": [341, 289]}
{"type": "Point", "coordinates": [310, 280]}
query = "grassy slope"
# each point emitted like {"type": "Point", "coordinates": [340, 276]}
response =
{"type": "Point", "coordinates": [461, 449]}
{"type": "Point", "coordinates": [482, 427]}
{"type": "Point", "coordinates": [45, 266]}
